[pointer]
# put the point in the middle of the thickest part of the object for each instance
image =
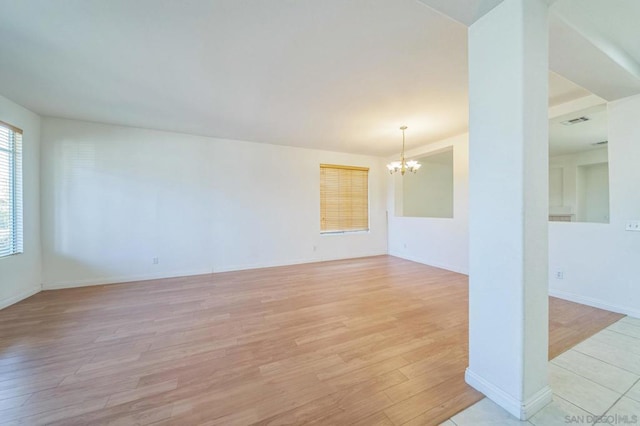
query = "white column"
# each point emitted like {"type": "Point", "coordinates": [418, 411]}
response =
{"type": "Point", "coordinates": [508, 166]}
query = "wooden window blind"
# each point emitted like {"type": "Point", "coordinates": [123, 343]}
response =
{"type": "Point", "coordinates": [10, 190]}
{"type": "Point", "coordinates": [344, 198]}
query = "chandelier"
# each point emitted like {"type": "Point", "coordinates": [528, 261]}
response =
{"type": "Point", "coordinates": [402, 165]}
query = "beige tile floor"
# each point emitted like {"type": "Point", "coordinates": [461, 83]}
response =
{"type": "Point", "coordinates": [598, 377]}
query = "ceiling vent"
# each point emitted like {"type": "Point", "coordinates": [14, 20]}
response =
{"type": "Point", "coordinates": [575, 121]}
{"type": "Point", "coordinates": [600, 143]}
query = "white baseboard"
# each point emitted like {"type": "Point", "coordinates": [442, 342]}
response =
{"type": "Point", "coordinates": [596, 303]}
{"type": "Point", "coordinates": [204, 271]}
{"type": "Point", "coordinates": [536, 403]}
{"type": "Point", "coordinates": [522, 410]}
{"type": "Point", "coordinates": [448, 267]}
{"type": "Point", "coordinates": [244, 267]}
{"type": "Point", "coordinates": [360, 256]}
{"type": "Point", "coordinates": [18, 297]}
{"type": "Point", "coordinates": [122, 279]}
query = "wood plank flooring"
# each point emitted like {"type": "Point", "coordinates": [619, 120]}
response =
{"type": "Point", "coordinates": [373, 341]}
{"type": "Point", "coordinates": [571, 323]}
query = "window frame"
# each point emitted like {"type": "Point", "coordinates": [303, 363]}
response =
{"type": "Point", "coordinates": [14, 178]}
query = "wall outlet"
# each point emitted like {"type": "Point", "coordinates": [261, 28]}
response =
{"type": "Point", "coordinates": [315, 248]}
{"type": "Point", "coordinates": [633, 225]}
{"type": "Point", "coordinates": [560, 275]}
{"type": "Point", "coordinates": [404, 245]}
{"type": "Point", "coordinates": [155, 260]}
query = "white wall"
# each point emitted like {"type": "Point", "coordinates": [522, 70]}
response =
{"type": "Point", "coordinates": [594, 185]}
{"type": "Point", "coordinates": [113, 198]}
{"type": "Point", "coordinates": [20, 275]}
{"type": "Point", "coordinates": [441, 242]}
{"type": "Point", "coordinates": [429, 193]}
{"type": "Point", "coordinates": [556, 189]}
{"type": "Point", "coordinates": [599, 260]}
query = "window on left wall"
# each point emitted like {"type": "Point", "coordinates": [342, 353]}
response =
{"type": "Point", "coordinates": [10, 190]}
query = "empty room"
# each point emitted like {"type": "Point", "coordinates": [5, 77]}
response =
{"type": "Point", "coordinates": [328, 212]}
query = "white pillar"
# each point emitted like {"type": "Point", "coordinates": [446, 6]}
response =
{"type": "Point", "coordinates": [508, 166]}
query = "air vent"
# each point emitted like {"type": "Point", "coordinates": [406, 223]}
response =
{"type": "Point", "coordinates": [575, 121]}
{"type": "Point", "coordinates": [600, 143]}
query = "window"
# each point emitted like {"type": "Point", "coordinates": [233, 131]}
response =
{"type": "Point", "coordinates": [344, 198]}
{"type": "Point", "coordinates": [10, 190]}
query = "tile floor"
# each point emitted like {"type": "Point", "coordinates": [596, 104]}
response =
{"type": "Point", "coordinates": [598, 377]}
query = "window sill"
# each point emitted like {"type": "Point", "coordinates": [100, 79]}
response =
{"type": "Point", "coordinates": [333, 233]}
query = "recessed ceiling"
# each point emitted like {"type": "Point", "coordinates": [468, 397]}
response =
{"type": "Point", "coordinates": [594, 43]}
{"type": "Point", "coordinates": [582, 136]}
{"type": "Point", "coordinates": [328, 74]}
{"type": "Point", "coordinates": [562, 90]}
{"type": "Point", "coordinates": [616, 21]}
{"type": "Point", "coordinates": [463, 11]}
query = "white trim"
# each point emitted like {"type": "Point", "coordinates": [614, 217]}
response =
{"type": "Point", "coordinates": [537, 402]}
{"type": "Point", "coordinates": [155, 276]}
{"type": "Point", "coordinates": [122, 279]}
{"type": "Point", "coordinates": [245, 267]}
{"type": "Point", "coordinates": [522, 410]}
{"type": "Point", "coordinates": [596, 303]}
{"type": "Point", "coordinates": [291, 262]}
{"type": "Point", "coordinates": [20, 296]}
{"type": "Point", "coordinates": [435, 265]}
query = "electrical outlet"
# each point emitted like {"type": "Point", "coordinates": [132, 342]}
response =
{"type": "Point", "coordinates": [155, 260]}
{"type": "Point", "coordinates": [560, 275]}
{"type": "Point", "coordinates": [633, 225]}
{"type": "Point", "coordinates": [315, 248]}
{"type": "Point", "coordinates": [405, 245]}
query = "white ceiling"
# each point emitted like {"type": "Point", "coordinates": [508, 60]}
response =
{"type": "Point", "coordinates": [594, 43]}
{"type": "Point", "coordinates": [463, 11]}
{"type": "Point", "coordinates": [578, 137]}
{"type": "Point", "coordinates": [562, 90]}
{"type": "Point", "coordinates": [612, 25]}
{"type": "Point", "coordinates": [330, 74]}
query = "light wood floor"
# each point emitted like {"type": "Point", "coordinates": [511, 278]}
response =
{"type": "Point", "coordinates": [374, 341]}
